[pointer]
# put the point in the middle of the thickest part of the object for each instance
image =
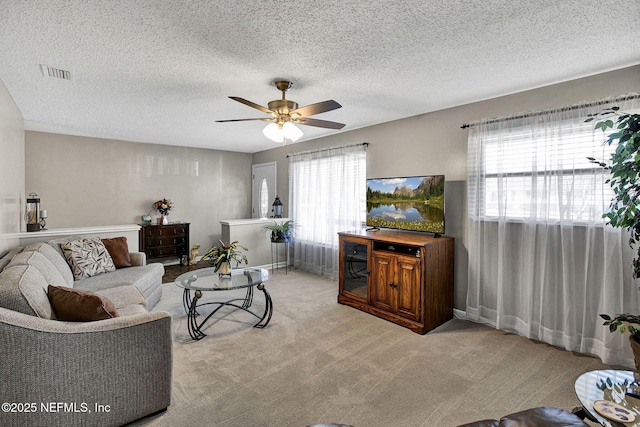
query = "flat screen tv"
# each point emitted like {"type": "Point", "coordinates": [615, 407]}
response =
{"type": "Point", "coordinates": [414, 203]}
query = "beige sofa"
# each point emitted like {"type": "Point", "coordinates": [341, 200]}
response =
{"type": "Point", "coordinates": [59, 373]}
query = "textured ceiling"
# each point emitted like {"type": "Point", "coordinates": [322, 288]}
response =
{"type": "Point", "coordinates": [162, 71]}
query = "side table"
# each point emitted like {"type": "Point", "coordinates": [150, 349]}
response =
{"type": "Point", "coordinates": [610, 385]}
{"type": "Point", "coordinates": [274, 246]}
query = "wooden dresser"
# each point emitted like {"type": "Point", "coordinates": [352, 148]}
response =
{"type": "Point", "coordinates": [164, 241]}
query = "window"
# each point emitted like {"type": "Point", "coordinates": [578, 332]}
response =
{"type": "Point", "coordinates": [544, 173]}
{"type": "Point", "coordinates": [327, 190]}
{"type": "Point", "coordinates": [542, 263]}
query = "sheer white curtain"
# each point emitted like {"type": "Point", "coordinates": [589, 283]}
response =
{"type": "Point", "coordinates": [327, 190]}
{"type": "Point", "coordinates": [542, 263]}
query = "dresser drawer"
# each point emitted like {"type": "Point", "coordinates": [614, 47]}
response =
{"type": "Point", "coordinates": [166, 251]}
{"type": "Point", "coordinates": [165, 241]}
{"type": "Point", "coordinates": [165, 230]}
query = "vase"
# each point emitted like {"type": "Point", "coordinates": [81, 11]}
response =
{"type": "Point", "coordinates": [163, 220]}
{"type": "Point", "coordinates": [635, 348]}
{"type": "Point", "coordinates": [224, 268]}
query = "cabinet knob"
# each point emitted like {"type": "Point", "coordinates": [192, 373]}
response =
{"type": "Point", "coordinates": [393, 285]}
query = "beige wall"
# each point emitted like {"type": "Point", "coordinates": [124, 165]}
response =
{"type": "Point", "coordinates": [85, 181]}
{"type": "Point", "coordinates": [11, 170]}
{"type": "Point", "coordinates": [434, 144]}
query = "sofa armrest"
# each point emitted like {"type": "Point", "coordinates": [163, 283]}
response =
{"type": "Point", "coordinates": [138, 259]}
{"type": "Point", "coordinates": [123, 364]}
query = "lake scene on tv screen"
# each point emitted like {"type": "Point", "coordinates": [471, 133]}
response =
{"type": "Point", "coordinates": [409, 203]}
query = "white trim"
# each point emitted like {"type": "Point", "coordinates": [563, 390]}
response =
{"type": "Point", "coordinates": [55, 232]}
{"type": "Point", "coordinates": [250, 221]}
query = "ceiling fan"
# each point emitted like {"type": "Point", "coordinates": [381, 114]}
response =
{"type": "Point", "coordinates": [285, 113]}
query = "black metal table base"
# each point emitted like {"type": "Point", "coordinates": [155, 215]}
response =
{"type": "Point", "coordinates": [191, 305]}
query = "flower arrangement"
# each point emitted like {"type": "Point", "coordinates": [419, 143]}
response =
{"type": "Point", "coordinates": [221, 253]}
{"type": "Point", "coordinates": [163, 206]}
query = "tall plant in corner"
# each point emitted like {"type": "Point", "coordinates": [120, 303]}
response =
{"type": "Point", "coordinates": [624, 210]}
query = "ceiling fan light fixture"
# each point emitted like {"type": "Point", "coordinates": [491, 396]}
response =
{"type": "Point", "coordinates": [287, 131]}
{"type": "Point", "coordinates": [273, 132]}
{"type": "Point", "coordinates": [285, 114]}
{"type": "Point", "coordinates": [291, 131]}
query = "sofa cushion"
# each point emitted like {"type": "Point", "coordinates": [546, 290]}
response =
{"type": "Point", "coordinates": [546, 416]}
{"type": "Point", "coordinates": [147, 279]}
{"type": "Point", "coordinates": [87, 257]}
{"type": "Point", "coordinates": [132, 310]}
{"type": "Point", "coordinates": [119, 251]}
{"type": "Point", "coordinates": [24, 289]}
{"type": "Point", "coordinates": [74, 305]}
{"type": "Point", "coordinates": [6, 258]}
{"type": "Point", "coordinates": [122, 296]}
{"type": "Point", "coordinates": [535, 417]}
{"type": "Point", "coordinates": [44, 266]}
{"type": "Point", "coordinates": [56, 258]}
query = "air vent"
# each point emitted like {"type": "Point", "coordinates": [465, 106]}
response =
{"type": "Point", "coordinates": [55, 73]}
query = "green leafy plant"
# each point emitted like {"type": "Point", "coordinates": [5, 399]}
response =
{"type": "Point", "coordinates": [623, 322]}
{"type": "Point", "coordinates": [624, 166]}
{"type": "Point", "coordinates": [221, 253]}
{"type": "Point", "coordinates": [280, 230]}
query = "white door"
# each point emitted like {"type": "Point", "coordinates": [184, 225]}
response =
{"type": "Point", "coordinates": [263, 191]}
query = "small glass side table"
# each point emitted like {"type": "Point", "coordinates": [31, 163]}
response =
{"type": "Point", "coordinates": [610, 385]}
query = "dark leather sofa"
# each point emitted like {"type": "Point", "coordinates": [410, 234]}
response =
{"type": "Point", "coordinates": [536, 417]}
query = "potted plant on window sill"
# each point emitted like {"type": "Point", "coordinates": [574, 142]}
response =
{"type": "Point", "coordinates": [624, 210]}
{"type": "Point", "coordinates": [222, 255]}
{"type": "Point", "coordinates": [281, 232]}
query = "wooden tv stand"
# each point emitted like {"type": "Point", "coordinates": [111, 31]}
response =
{"type": "Point", "coordinates": [403, 277]}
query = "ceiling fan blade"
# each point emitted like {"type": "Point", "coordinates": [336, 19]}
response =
{"type": "Point", "coordinates": [320, 107]}
{"type": "Point", "coordinates": [319, 123]}
{"type": "Point", "coordinates": [244, 120]}
{"type": "Point", "coordinates": [252, 104]}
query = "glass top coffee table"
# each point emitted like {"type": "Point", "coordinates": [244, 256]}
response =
{"type": "Point", "coordinates": [613, 386]}
{"type": "Point", "coordinates": [207, 280]}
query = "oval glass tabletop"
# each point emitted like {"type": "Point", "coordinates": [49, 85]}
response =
{"type": "Point", "coordinates": [206, 279]}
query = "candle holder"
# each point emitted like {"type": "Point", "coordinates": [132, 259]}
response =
{"type": "Point", "coordinates": [43, 217]}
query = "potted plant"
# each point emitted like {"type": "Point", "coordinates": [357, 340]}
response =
{"type": "Point", "coordinates": [624, 210]}
{"type": "Point", "coordinates": [222, 255]}
{"type": "Point", "coordinates": [280, 231]}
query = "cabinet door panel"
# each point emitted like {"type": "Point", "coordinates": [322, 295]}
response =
{"type": "Point", "coordinates": [408, 281]}
{"type": "Point", "coordinates": [383, 270]}
{"type": "Point", "coordinates": [354, 268]}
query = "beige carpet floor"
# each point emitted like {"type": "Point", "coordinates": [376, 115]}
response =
{"type": "Point", "coordinates": [319, 361]}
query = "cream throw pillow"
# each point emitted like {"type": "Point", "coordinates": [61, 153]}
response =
{"type": "Point", "coordinates": [87, 257]}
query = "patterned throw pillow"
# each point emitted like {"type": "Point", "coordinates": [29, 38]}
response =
{"type": "Point", "coordinates": [87, 257]}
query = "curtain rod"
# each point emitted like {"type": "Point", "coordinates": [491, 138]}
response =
{"type": "Point", "coordinates": [553, 110]}
{"type": "Point", "coordinates": [366, 144]}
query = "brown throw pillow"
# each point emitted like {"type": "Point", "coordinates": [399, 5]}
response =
{"type": "Point", "coordinates": [74, 305]}
{"type": "Point", "coordinates": [119, 251]}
